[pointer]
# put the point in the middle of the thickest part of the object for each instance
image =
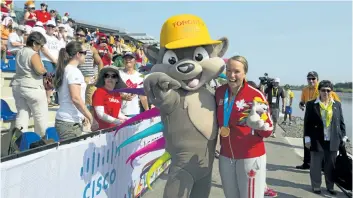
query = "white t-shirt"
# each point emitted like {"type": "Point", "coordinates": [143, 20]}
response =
{"type": "Point", "coordinates": [132, 81]}
{"type": "Point", "coordinates": [67, 111]}
{"type": "Point", "coordinates": [70, 30]}
{"type": "Point", "coordinates": [13, 37]}
{"type": "Point", "coordinates": [53, 45]}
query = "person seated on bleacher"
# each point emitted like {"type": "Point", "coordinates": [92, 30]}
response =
{"type": "Point", "coordinates": [30, 18]}
{"type": "Point", "coordinates": [6, 29]}
{"type": "Point", "coordinates": [38, 27]}
{"type": "Point", "coordinates": [106, 103]}
{"type": "Point", "coordinates": [15, 42]}
{"type": "Point", "coordinates": [71, 86]}
{"type": "Point", "coordinates": [6, 7]}
{"type": "Point", "coordinates": [27, 86]}
{"type": "Point", "coordinates": [26, 34]}
{"type": "Point", "coordinates": [104, 50]}
{"type": "Point", "coordinates": [43, 14]}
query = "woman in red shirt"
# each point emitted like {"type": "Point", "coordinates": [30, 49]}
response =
{"type": "Point", "coordinates": [106, 103]}
{"type": "Point", "coordinates": [242, 161]}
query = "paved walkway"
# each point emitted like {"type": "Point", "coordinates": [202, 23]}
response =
{"type": "Point", "coordinates": [281, 173]}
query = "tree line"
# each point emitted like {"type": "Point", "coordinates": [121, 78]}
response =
{"type": "Point", "coordinates": [338, 87]}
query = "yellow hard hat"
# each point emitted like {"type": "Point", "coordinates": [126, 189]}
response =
{"type": "Point", "coordinates": [183, 31]}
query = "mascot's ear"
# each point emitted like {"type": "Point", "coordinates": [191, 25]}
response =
{"type": "Point", "coordinates": [221, 49]}
{"type": "Point", "coordinates": [151, 52]}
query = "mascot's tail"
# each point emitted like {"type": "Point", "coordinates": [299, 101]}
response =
{"type": "Point", "coordinates": [159, 162]}
{"type": "Point", "coordinates": [154, 146]}
{"type": "Point", "coordinates": [154, 112]}
{"type": "Point", "coordinates": [156, 128]}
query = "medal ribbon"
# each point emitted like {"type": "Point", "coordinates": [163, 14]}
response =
{"type": "Point", "coordinates": [227, 108]}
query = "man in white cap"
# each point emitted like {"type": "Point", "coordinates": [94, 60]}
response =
{"type": "Point", "coordinates": [15, 41]}
{"type": "Point", "coordinates": [273, 94]}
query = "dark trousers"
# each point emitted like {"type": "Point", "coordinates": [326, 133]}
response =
{"type": "Point", "coordinates": [307, 156]}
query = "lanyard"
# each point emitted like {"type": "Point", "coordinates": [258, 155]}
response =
{"type": "Point", "coordinates": [227, 108]}
{"type": "Point", "coordinates": [274, 95]}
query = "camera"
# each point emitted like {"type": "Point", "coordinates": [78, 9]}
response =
{"type": "Point", "coordinates": [267, 81]}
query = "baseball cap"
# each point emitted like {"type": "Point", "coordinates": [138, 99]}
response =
{"type": "Point", "coordinates": [129, 54]}
{"type": "Point", "coordinates": [39, 23]}
{"type": "Point", "coordinates": [277, 80]}
{"type": "Point", "coordinates": [50, 22]}
{"type": "Point", "coordinates": [313, 74]}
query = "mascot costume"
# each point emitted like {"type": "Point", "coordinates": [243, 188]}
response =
{"type": "Point", "coordinates": [187, 60]}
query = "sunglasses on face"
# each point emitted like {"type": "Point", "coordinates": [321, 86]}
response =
{"type": "Point", "coordinates": [113, 76]}
{"type": "Point", "coordinates": [309, 79]}
{"type": "Point", "coordinates": [80, 35]}
{"type": "Point", "coordinates": [32, 8]}
{"type": "Point", "coordinates": [50, 26]}
{"type": "Point", "coordinates": [83, 52]}
{"type": "Point", "coordinates": [325, 90]}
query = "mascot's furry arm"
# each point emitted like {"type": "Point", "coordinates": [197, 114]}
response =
{"type": "Point", "coordinates": [159, 88]}
{"type": "Point", "coordinates": [258, 118]}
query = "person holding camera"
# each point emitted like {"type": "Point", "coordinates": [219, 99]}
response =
{"type": "Point", "coordinates": [274, 93]}
{"type": "Point", "coordinates": [104, 50]}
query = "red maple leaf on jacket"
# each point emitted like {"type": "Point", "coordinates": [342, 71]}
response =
{"type": "Point", "coordinates": [130, 84]}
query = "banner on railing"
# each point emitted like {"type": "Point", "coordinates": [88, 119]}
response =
{"type": "Point", "coordinates": [89, 168]}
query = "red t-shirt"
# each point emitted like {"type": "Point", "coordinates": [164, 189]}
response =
{"type": "Point", "coordinates": [243, 143]}
{"type": "Point", "coordinates": [43, 17]}
{"type": "Point", "coordinates": [110, 101]}
{"type": "Point", "coordinates": [103, 53]}
{"type": "Point", "coordinates": [31, 23]}
{"type": "Point", "coordinates": [7, 3]}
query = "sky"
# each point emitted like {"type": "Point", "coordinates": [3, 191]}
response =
{"type": "Point", "coordinates": [283, 39]}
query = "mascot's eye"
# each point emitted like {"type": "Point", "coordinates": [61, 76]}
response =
{"type": "Point", "coordinates": [200, 54]}
{"type": "Point", "coordinates": [170, 58]}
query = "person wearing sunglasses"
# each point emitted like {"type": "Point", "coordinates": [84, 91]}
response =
{"type": "Point", "coordinates": [311, 92]}
{"type": "Point", "coordinates": [106, 102]}
{"type": "Point", "coordinates": [43, 15]}
{"type": "Point", "coordinates": [30, 18]}
{"type": "Point", "coordinates": [324, 132]}
{"type": "Point", "coordinates": [72, 114]}
{"type": "Point", "coordinates": [90, 68]}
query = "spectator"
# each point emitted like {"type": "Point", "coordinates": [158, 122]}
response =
{"type": "Point", "coordinates": [30, 18]}
{"type": "Point", "coordinates": [132, 79]}
{"type": "Point", "coordinates": [139, 57]}
{"type": "Point", "coordinates": [104, 50]}
{"type": "Point", "coordinates": [15, 42]}
{"type": "Point", "coordinates": [311, 92]}
{"type": "Point", "coordinates": [53, 16]}
{"type": "Point", "coordinates": [65, 17]}
{"type": "Point", "coordinates": [49, 55]}
{"type": "Point", "coordinates": [38, 27]}
{"type": "Point", "coordinates": [106, 103]}
{"type": "Point", "coordinates": [324, 132]}
{"type": "Point", "coordinates": [62, 35]}
{"type": "Point", "coordinates": [289, 95]}
{"type": "Point", "coordinates": [93, 63]}
{"type": "Point", "coordinates": [274, 93]}
{"type": "Point", "coordinates": [6, 7]}
{"type": "Point", "coordinates": [43, 14]}
{"type": "Point", "coordinates": [69, 28]}
{"type": "Point", "coordinates": [6, 29]}
{"type": "Point", "coordinates": [28, 31]}
{"type": "Point", "coordinates": [71, 87]}
{"type": "Point", "coordinates": [27, 85]}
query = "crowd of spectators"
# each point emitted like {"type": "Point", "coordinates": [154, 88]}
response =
{"type": "Point", "coordinates": [76, 68]}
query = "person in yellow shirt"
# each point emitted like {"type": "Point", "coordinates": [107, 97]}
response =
{"type": "Point", "coordinates": [289, 95]}
{"type": "Point", "coordinates": [311, 92]}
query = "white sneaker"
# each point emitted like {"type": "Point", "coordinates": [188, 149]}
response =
{"type": "Point", "coordinates": [273, 135]}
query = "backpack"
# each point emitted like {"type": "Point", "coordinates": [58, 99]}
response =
{"type": "Point", "coordinates": [343, 169]}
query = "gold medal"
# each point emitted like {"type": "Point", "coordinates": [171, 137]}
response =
{"type": "Point", "coordinates": [225, 131]}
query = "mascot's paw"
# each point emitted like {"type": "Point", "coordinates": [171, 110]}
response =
{"type": "Point", "coordinates": [254, 123]}
{"type": "Point", "coordinates": [157, 85]}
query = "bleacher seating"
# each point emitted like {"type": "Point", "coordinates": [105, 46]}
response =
{"type": "Point", "coordinates": [6, 113]}
{"type": "Point", "coordinates": [10, 66]}
{"type": "Point", "coordinates": [51, 133]}
{"type": "Point", "coordinates": [27, 139]}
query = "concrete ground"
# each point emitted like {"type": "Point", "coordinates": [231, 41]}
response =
{"type": "Point", "coordinates": [283, 154]}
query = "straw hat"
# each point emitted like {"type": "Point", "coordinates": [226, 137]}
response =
{"type": "Point", "coordinates": [100, 82]}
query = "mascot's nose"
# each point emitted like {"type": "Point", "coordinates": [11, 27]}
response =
{"type": "Point", "coordinates": [186, 68]}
